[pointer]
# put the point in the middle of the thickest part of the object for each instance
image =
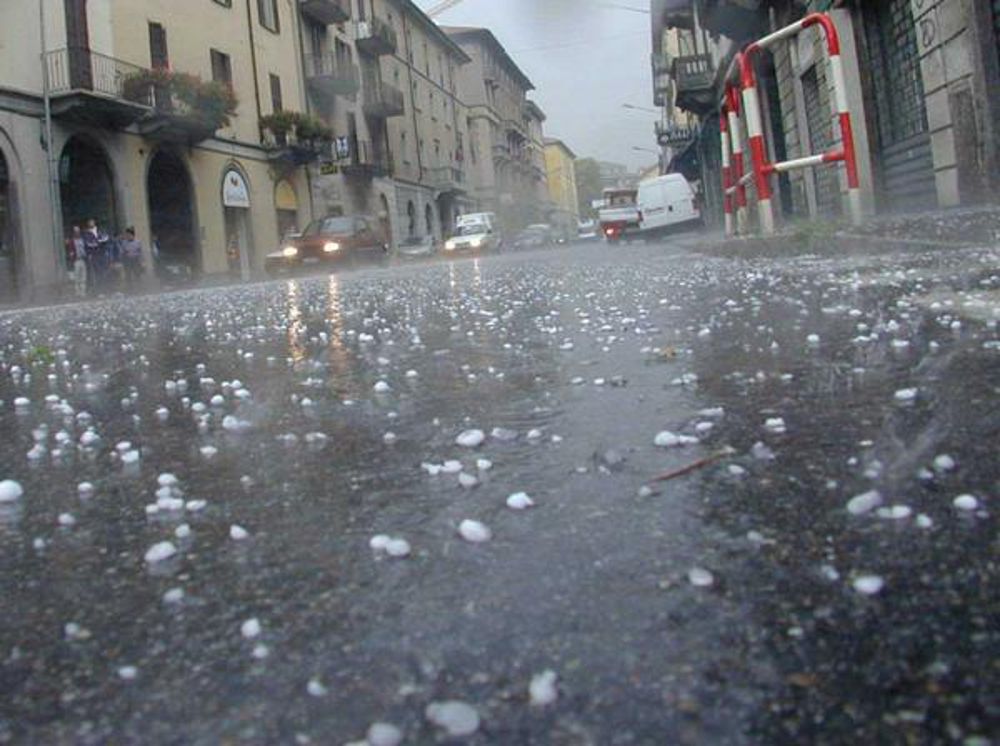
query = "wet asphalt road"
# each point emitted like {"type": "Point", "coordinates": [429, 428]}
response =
{"type": "Point", "coordinates": [740, 602]}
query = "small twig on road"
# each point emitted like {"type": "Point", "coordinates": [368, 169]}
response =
{"type": "Point", "coordinates": [701, 463]}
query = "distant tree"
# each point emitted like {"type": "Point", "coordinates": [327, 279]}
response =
{"type": "Point", "coordinates": [588, 185]}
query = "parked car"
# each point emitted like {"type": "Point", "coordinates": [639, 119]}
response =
{"type": "Point", "coordinates": [330, 241]}
{"type": "Point", "coordinates": [471, 237]}
{"type": "Point", "coordinates": [534, 236]}
{"type": "Point", "coordinates": [587, 230]}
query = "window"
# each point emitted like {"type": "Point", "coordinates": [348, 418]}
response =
{"type": "Point", "coordinates": [158, 56]}
{"type": "Point", "coordinates": [222, 68]}
{"type": "Point", "coordinates": [276, 104]}
{"type": "Point", "coordinates": [267, 11]}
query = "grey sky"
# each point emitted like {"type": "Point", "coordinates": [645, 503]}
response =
{"type": "Point", "coordinates": [586, 59]}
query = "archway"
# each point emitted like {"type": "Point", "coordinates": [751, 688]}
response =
{"type": "Point", "coordinates": [86, 186]}
{"type": "Point", "coordinates": [171, 211]}
{"type": "Point", "coordinates": [411, 215]}
{"type": "Point", "coordinates": [428, 220]}
{"type": "Point", "coordinates": [8, 238]}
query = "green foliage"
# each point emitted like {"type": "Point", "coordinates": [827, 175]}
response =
{"type": "Point", "coordinates": [589, 186]}
{"type": "Point", "coordinates": [210, 102]}
{"type": "Point", "coordinates": [303, 129]}
{"type": "Point", "coordinates": [42, 355]}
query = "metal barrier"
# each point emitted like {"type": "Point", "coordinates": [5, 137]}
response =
{"type": "Point", "coordinates": [734, 181]}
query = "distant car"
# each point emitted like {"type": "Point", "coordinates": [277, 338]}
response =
{"type": "Point", "coordinates": [330, 241]}
{"type": "Point", "coordinates": [471, 237]}
{"type": "Point", "coordinates": [534, 236]}
{"type": "Point", "coordinates": [587, 230]}
{"type": "Point", "coordinates": [418, 247]}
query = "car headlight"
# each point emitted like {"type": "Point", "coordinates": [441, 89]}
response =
{"type": "Point", "coordinates": [289, 252]}
{"type": "Point", "coordinates": [449, 245]}
{"type": "Point", "coordinates": [476, 243]}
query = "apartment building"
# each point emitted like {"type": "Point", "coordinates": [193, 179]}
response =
{"type": "Point", "coordinates": [494, 88]}
{"type": "Point", "coordinates": [155, 110]}
{"type": "Point", "coordinates": [918, 75]}
{"type": "Point", "coordinates": [384, 77]}
{"type": "Point", "coordinates": [677, 128]}
{"type": "Point", "coordinates": [560, 163]}
{"type": "Point", "coordinates": [535, 120]}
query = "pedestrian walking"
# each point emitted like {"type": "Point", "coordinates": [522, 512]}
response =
{"type": "Point", "coordinates": [131, 257]}
{"type": "Point", "coordinates": [76, 260]}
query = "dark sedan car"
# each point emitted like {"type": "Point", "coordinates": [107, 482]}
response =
{"type": "Point", "coordinates": [330, 241]}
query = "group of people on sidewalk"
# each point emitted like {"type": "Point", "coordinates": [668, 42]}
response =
{"type": "Point", "coordinates": [99, 263]}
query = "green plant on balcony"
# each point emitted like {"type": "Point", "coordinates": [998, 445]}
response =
{"type": "Point", "coordinates": [211, 104]}
{"type": "Point", "coordinates": [296, 136]}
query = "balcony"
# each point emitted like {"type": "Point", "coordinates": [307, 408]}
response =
{"type": "Point", "coordinates": [382, 101]}
{"type": "Point", "coordinates": [366, 162]}
{"type": "Point", "coordinates": [662, 63]}
{"type": "Point", "coordinates": [295, 139]}
{"type": "Point", "coordinates": [326, 12]}
{"type": "Point", "coordinates": [375, 37]}
{"type": "Point", "coordinates": [328, 76]}
{"type": "Point", "coordinates": [447, 179]}
{"type": "Point", "coordinates": [92, 89]}
{"type": "Point", "coordinates": [671, 135]}
{"type": "Point", "coordinates": [695, 79]}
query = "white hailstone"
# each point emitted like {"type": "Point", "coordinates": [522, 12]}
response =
{"type": "Point", "coordinates": [965, 502]}
{"type": "Point", "coordinates": [432, 469]}
{"type": "Point", "coordinates": [411, 374]}
{"type": "Point", "coordinates": [238, 533]}
{"type": "Point", "coordinates": [250, 628]}
{"type": "Point", "coordinates": [484, 464]}
{"type": "Point", "coordinates": [812, 340]}
{"type": "Point", "coordinates": [397, 548]}
{"type": "Point", "coordinates": [905, 395]}
{"type": "Point", "coordinates": [868, 585]}
{"type": "Point", "coordinates": [895, 512]}
{"type": "Point", "coordinates": [382, 388]}
{"type": "Point", "coordinates": [315, 688]}
{"type": "Point", "coordinates": [128, 673]}
{"type": "Point", "coordinates": [535, 434]}
{"type": "Point", "coordinates": [451, 467]}
{"type": "Point", "coordinates": [379, 542]}
{"type": "Point", "coordinates": [183, 531]}
{"type": "Point", "coordinates": [700, 577]}
{"type": "Point", "coordinates": [944, 463]}
{"type": "Point", "coordinates": [89, 439]}
{"type": "Point", "coordinates": [167, 480]}
{"type": "Point", "coordinates": [645, 491]}
{"type": "Point", "coordinates": [130, 458]}
{"type": "Point", "coordinates": [67, 520]}
{"type": "Point", "coordinates": [162, 413]}
{"type": "Point", "coordinates": [471, 439]}
{"type": "Point", "coordinates": [542, 689]}
{"type": "Point", "coordinates": [519, 501]}
{"type": "Point", "coordinates": [389, 438]}
{"type": "Point", "coordinates": [866, 502]}
{"type": "Point", "coordinates": [453, 717]}
{"type": "Point", "coordinates": [234, 424]}
{"type": "Point", "coordinates": [474, 532]}
{"type": "Point", "coordinates": [468, 481]}
{"type": "Point", "coordinates": [218, 400]}
{"type": "Point", "coordinates": [22, 402]}
{"type": "Point", "coordinates": [10, 491]}
{"type": "Point", "coordinates": [260, 651]}
{"type": "Point", "coordinates": [736, 470]}
{"type": "Point", "coordinates": [195, 506]}
{"type": "Point", "coordinates": [775, 425]}
{"type": "Point", "coordinates": [208, 451]}
{"type": "Point", "coordinates": [198, 407]}
{"type": "Point", "coordinates": [666, 439]}
{"type": "Point", "coordinates": [173, 596]}
{"type": "Point", "coordinates": [160, 552]}
{"type": "Point", "coordinates": [924, 521]}
{"type": "Point", "coordinates": [384, 734]}
{"type": "Point", "coordinates": [85, 489]}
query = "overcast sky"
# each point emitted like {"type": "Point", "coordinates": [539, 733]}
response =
{"type": "Point", "coordinates": [586, 59]}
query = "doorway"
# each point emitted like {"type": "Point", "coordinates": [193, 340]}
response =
{"type": "Point", "coordinates": [171, 211]}
{"type": "Point", "coordinates": [86, 186]}
{"type": "Point", "coordinates": [8, 238]}
{"type": "Point", "coordinates": [286, 203]}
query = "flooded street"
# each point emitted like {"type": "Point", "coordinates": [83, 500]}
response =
{"type": "Point", "coordinates": [284, 512]}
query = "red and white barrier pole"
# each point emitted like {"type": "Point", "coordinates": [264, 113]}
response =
{"type": "Point", "coordinates": [736, 141]}
{"type": "Point", "coordinates": [727, 200]}
{"type": "Point", "coordinates": [755, 134]}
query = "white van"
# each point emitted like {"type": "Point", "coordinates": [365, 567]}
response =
{"type": "Point", "coordinates": [666, 202]}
